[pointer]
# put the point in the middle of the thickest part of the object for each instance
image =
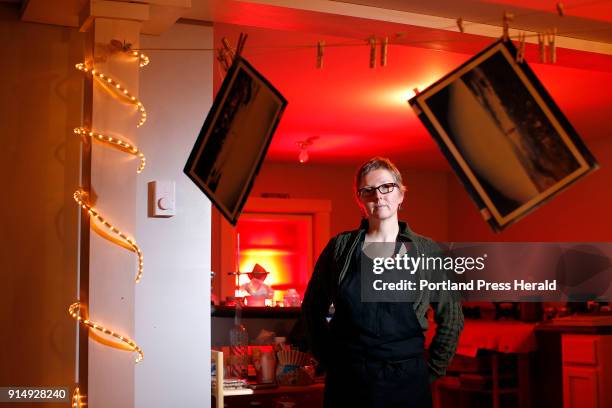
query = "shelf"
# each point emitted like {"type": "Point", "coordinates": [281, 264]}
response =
{"type": "Point", "coordinates": [452, 383]}
{"type": "Point", "coordinates": [258, 312]}
{"type": "Point", "coordinates": [243, 391]}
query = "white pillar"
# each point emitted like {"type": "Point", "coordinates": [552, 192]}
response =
{"type": "Point", "coordinates": [112, 175]}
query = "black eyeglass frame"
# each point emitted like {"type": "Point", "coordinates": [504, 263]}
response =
{"type": "Point", "coordinates": [369, 191]}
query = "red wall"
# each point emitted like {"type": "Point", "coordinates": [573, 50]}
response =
{"type": "Point", "coordinates": [582, 213]}
{"type": "Point", "coordinates": [425, 206]}
{"type": "Point", "coordinates": [437, 205]}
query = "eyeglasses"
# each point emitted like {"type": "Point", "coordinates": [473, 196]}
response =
{"type": "Point", "coordinates": [371, 191]}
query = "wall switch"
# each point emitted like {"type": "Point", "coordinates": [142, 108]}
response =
{"type": "Point", "coordinates": [162, 200]}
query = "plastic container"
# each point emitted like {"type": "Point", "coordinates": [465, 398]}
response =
{"type": "Point", "coordinates": [291, 298]}
{"type": "Point", "coordinates": [239, 347]}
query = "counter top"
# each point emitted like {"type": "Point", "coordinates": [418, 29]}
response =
{"type": "Point", "coordinates": [505, 336]}
{"type": "Point", "coordinates": [585, 324]}
{"type": "Point", "coordinates": [257, 312]}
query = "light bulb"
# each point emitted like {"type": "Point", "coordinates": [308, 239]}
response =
{"type": "Point", "coordinates": [303, 156]}
{"type": "Point", "coordinates": [76, 398]}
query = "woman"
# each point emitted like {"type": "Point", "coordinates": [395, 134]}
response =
{"type": "Point", "coordinates": [374, 351]}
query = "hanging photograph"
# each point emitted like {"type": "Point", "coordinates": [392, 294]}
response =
{"type": "Point", "coordinates": [235, 138]}
{"type": "Point", "coordinates": [503, 134]}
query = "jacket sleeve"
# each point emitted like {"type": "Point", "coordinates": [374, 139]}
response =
{"type": "Point", "coordinates": [449, 323]}
{"type": "Point", "coordinates": [317, 299]}
{"type": "Point", "coordinates": [448, 316]}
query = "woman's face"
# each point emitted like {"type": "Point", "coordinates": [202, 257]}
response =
{"type": "Point", "coordinates": [376, 204]}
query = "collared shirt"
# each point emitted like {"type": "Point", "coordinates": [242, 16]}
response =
{"type": "Point", "coordinates": [379, 331]}
{"type": "Point", "coordinates": [330, 271]}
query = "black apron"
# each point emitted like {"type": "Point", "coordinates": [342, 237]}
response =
{"type": "Point", "coordinates": [377, 351]}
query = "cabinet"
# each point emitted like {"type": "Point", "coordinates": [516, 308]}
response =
{"type": "Point", "coordinates": [587, 370]}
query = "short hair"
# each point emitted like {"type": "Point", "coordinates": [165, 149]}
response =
{"type": "Point", "coordinates": [376, 163]}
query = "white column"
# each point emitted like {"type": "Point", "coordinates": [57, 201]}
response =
{"type": "Point", "coordinates": [112, 268]}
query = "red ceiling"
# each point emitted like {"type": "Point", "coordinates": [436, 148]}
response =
{"type": "Point", "coordinates": [358, 112]}
{"type": "Point", "coordinates": [592, 10]}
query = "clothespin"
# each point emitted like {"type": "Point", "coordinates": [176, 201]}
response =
{"type": "Point", "coordinates": [220, 55]}
{"type": "Point", "coordinates": [225, 54]}
{"type": "Point", "coordinates": [372, 41]}
{"type": "Point", "coordinates": [560, 9]}
{"type": "Point", "coordinates": [320, 47]}
{"type": "Point", "coordinates": [542, 46]}
{"type": "Point", "coordinates": [384, 45]}
{"type": "Point", "coordinates": [460, 25]}
{"type": "Point", "coordinates": [240, 45]}
{"type": "Point", "coordinates": [227, 47]}
{"type": "Point", "coordinates": [520, 53]}
{"type": "Point", "coordinates": [506, 24]}
{"type": "Point", "coordinates": [551, 43]}
{"type": "Point", "coordinates": [118, 46]}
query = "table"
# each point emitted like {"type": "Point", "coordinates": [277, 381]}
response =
{"type": "Point", "coordinates": [498, 337]}
{"type": "Point", "coordinates": [304, 395]}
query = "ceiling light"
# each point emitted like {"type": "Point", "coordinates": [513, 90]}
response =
{"type": "Point", "coordinates": [303, 145]}
{"type": "Point", "coordinates": [303, 156]}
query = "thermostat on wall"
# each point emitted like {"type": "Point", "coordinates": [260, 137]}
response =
{"type": "Point", "coordinates": [162, 199]}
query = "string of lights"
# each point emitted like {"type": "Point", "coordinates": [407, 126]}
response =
{"type": "Point", "coordinates": [143, 59]}
{"type": "Point", "coordinates": [77, 398]}
{"type": "Point", "coordinates": [115, 142]}
{"type": "Point", "coordinates": [79, 198]}
{"type": "Point", "coordinates": [117, 87]}
{"type": "Point", "coordinates": [75, 311]}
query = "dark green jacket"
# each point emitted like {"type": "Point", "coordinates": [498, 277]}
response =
{"type": "Point", "coordinates": [330, 270]}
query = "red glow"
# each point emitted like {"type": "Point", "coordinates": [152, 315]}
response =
{"type": "Point", "coordinates": [272, 260]}
{"type": "Point", "coordinates": [282, 245]}
{"type": "Point", "coordinates": [358, 111]}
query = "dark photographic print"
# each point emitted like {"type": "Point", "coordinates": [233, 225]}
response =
{"type": "Point", "coordinates": [504, 136]}
{"type": "Point", "coordinates": [235, 137]}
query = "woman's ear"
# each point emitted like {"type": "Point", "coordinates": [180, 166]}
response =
{"type": "Point", "coordinates": [399, 205]}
